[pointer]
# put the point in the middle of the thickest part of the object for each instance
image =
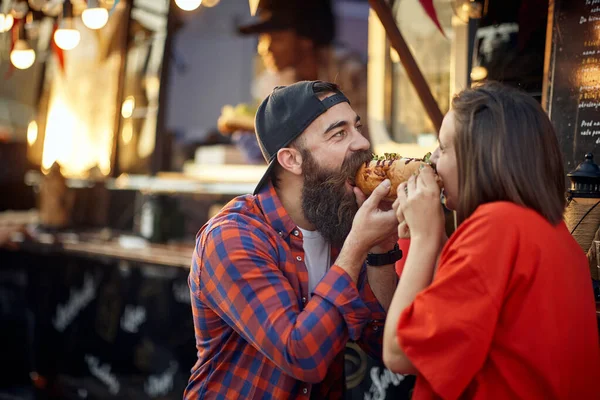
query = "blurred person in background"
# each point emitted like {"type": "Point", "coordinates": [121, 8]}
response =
{"type": "Point", "coordinates": [296, 43]}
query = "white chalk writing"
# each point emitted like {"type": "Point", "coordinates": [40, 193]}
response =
{"type": "Point", "coordinates": [132, 318]}
{"type": "Point", "coordinates": [181, 292]}
{"type": "Point", "coordinates": [380, 382]}
{"type": "Point", "coordinates": [78, 300]}
{"type": "Point", "coordinates": [589, 104]}
{"type": "Point", "coordinates": [160, 385]}
{"type": "Point", "coordinates": [102, 372]}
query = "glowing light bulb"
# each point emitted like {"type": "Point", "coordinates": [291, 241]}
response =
{"type": "Point", "coordinates": [67, 39]}
{"type": "Point", "coordinates": [479, 73]}
{"type": "Point", "coordinates": [6, 22]}
{"type": "Point", "coordinates": [95, 18]}
{"type": "Point", "coordinates": [22, 56]}
{"type": "Point", "coordinates": [127, 107]}
{"type": "Point", "coordinates": [32, 132]}
{"type": "Point", "coordinates": [188, 5]}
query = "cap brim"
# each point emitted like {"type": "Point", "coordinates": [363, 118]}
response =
{"type": "Point", "coordinates": [275, 22]}
{"type": "Point", "coordinates": [260, 27]}
{"type": "Point", "coordinates": [265, 177]}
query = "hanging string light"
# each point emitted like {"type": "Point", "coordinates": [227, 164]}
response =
{"type": "Point", "coordinates": [22, 55]}
{"type": "Point", "coordinates": [6, 20]}
{"type": "Point", "coordinates": [94, 16]}
{"type": "Point", "coordinates": [188, 5]}
{"type": "Point", "coordinates": [66, 36]}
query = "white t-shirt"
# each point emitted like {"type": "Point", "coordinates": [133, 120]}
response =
{"type": "Point", "coordinates": [317, 254]}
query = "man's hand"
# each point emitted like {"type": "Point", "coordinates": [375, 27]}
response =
{"type": "Point", "coordinates": [375, 222]}
{"type": "Point", "coordinates": [371, 226]}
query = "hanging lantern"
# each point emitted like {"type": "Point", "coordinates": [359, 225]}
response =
{"type": "Point", "coordinates": [94, 16]}
{"type": "Point", "coordinates": [582, 214]}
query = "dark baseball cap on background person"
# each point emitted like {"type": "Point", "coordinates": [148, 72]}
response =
{"type": "Point", "coordinates": [312, 19]}
{"type": "Point", "coordinates": [285, 114]}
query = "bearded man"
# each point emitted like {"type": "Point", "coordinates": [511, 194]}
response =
{"type": "Point", "coordinates": [279, 281]}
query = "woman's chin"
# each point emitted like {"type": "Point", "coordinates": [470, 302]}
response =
{"type": "Point", "coordinates": [447, 201]}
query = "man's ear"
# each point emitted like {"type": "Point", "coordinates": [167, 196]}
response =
{"type": "Point", "coordinates": [290, 159]}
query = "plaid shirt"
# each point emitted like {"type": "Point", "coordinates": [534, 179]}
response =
{"type": "Point", "coordinates": [258, 334]}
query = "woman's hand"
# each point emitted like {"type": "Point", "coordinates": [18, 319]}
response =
{"type": "Point", "coordinates": [403, 231]}
{"type": "Point", "coordinates": [420, 207]}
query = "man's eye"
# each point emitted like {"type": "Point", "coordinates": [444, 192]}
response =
{"type": "Point", "coordinates": [340, 134]}
{"type": "Point", "coordinates": [359, 127]}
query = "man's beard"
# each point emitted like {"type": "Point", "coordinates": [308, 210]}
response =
{"type": "Point", "coordinates": [326, 202]}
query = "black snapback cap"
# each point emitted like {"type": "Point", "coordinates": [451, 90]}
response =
{"type": "Point", "coordinates": [285, 114]}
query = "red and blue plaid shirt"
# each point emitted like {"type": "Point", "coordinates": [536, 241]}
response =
{"type": "Point", "coordinates": [258, 334]}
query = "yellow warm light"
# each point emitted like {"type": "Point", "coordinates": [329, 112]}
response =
{"type": "Point", "coordinates": [128, 107]}
{"type": "Point", "coordinates": [95, 18]}
{"type": "Point", "coordinates": [32, 132]}
{"type": "Point", "coordinates": [210, 3]}
{"type": "Point", "coordinates": [68, 142]}
{"type": "Point", "coordinates": [394, 55]}
{"type": "Point", "coordinates": [479, 73]}
{"type": "Point", "coordinates": [67, 39]}
{"type": "Point", "coordinates": [127, 131]}
{"type": "Point", "coordinates": [6, 22]}
{"type": "Point", "coordinates": [188, 5]}
{"type": "Point", "coordinates": [22, 56]}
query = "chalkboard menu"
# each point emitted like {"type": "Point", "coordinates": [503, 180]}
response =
{"type": "Point", "coordinates": [573, 78]}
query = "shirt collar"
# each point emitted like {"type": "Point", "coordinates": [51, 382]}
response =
{"type": "Point", "coordinates": [275, 214]}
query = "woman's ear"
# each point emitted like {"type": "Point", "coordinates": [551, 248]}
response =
{"type": "Point", "coordinates": [290, 160]}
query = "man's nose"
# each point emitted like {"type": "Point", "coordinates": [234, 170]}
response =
{"type": "Point", "coordinates": [359, 142]}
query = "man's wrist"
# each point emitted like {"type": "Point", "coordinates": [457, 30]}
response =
{"type": "Point", "coordinates": [387, 258]}
{"type": "Point", "coordinates": [379, 249]}
{"type": "Point", "coordinates": [355, 247]}
{"type": "Point", "coordinates": [351, 258]}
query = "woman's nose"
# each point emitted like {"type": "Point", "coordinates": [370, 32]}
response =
{"type": "Point", "coordinates": [435, 156]}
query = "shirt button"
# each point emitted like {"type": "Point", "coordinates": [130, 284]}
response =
{"type": "Point", "coordinates": [280, 233]}
{"type": "Point", "coordinates": [299, 258]}
{"type": "Point", "coordinates": [296, 233]}
{"type": "Point", "coordinates": [376, 328]}
{"type": "Point", "coordinates": [305, 390]}
{"type": "Point", "coordinates": [304, 299]}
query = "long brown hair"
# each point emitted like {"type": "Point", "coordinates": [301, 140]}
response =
{"type": "Point", "coordinates": [506, 150]}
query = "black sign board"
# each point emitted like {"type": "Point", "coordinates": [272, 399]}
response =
{"type": "Point", "coordinates": [572, 95]}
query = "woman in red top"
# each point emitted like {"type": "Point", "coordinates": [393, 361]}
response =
{"type": "Point", "coordinates": [509, 311]}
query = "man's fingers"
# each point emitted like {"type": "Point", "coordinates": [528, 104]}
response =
{"type": "Point", "coordinates": [379, 193]}
{"type": "Point", "coordinates": [385, 205]}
